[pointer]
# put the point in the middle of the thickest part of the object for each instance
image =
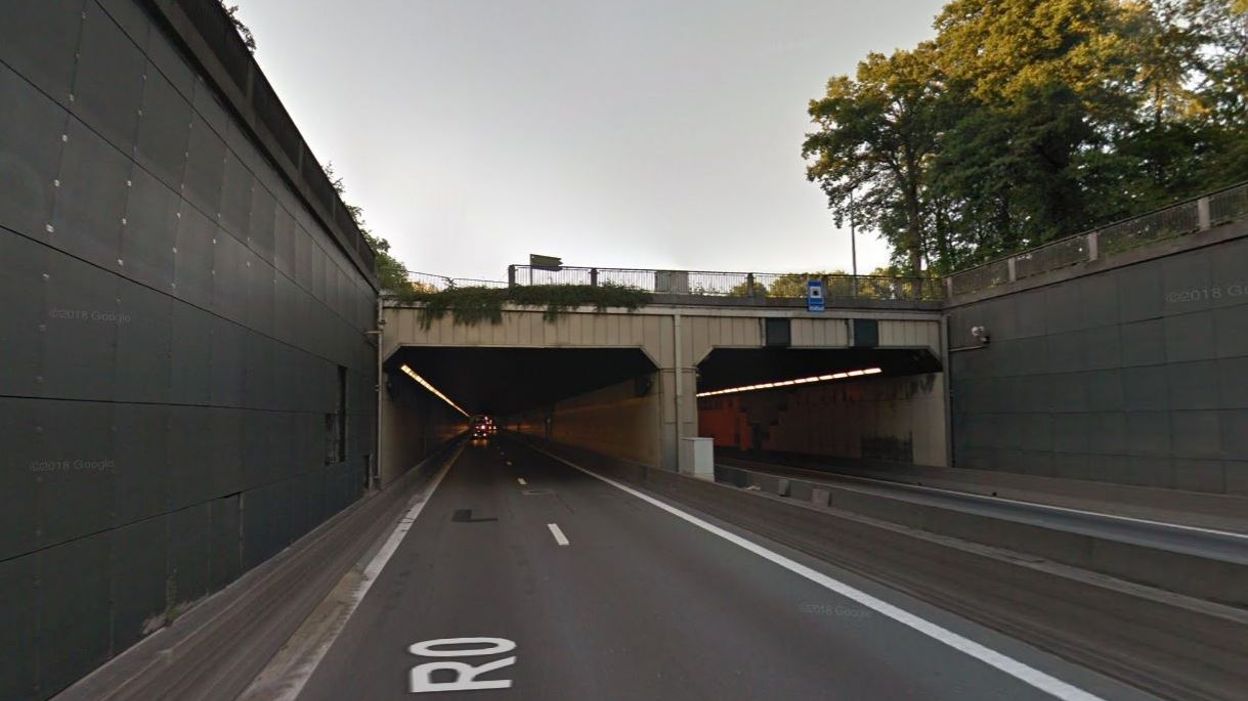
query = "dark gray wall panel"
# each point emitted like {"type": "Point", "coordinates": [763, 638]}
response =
{"type": "Point", "coordinates": [229, 276]}
{"type": "Point", "coordinates": [225, 520]}
{"type": "Point", "coordinates": [190, 353]}
{"type": "Point", "coordinates": [236, 197]}
{"type": "Point", "coordinates": [144, 344]}
{"type": "Point", "coordinates": [91, 200]}
{"type": "Point", "coordinates": [190, 553]}
{"type": "Point", "coordinates": [73, 609]}
{"type": "Point", "coordinates": [80, 343]}
{"type": "Point", "coordinates": [171, 63]}
{"type": "Point", "coordinates": [175, 317]}
{"type": "Point", "coordinates": [193, 257]}
{"type": "Point", "coordinates": [164, 129]}
{"type": "Point", "coordinates": [226, 388]}
{"type": "Point", "coordinates": [108, 86]}
{"type": "Point", "coordinates": [19, 625]}
{"type": "Point", "coordinates": [77, 469]}
{"type": "Point", "coordinates": [150, 232]}
{"type": "Point", "coordinates": [138, 580]}
{"type": "Point", "coordinates": [130, 17]}
{"type": "Point", "coordinates": [1144, 370]}
{"type": "Point", "coordinates": [23, 325]}
{"type": "Point", "coordinates": [30, 157]}
{"type": "Point", "coordinates": [208, 106]}
{"type": "Point", "coordinates": [193, 437]}
{"type": "Point", "coordinates": [40, 40]}
{"type": "Point", "coordinates": [24, 465]}
{"type": "Point", "coordinates": [141, 452]}
{"type": "Point", "coordinates": [205, 168]}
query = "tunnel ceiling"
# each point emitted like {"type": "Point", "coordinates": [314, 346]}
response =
{"type": "Point", "coordinates": [507, 380]}
{"type": "Point", "coordinates": [733, 367]}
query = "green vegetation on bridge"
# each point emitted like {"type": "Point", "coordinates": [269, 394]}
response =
{"type": "Point", "coordinates": [476, 304]}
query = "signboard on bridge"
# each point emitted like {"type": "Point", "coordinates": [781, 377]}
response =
{"type": "Point", "coordinates": [814, 296]}
{"type": "Point", "coordinates": [545, 262]}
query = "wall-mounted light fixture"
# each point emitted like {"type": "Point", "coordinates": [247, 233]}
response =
{"type": "Point", "coordinates": [790, 383]}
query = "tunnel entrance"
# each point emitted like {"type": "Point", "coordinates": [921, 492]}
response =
{"type": "Point", "coordinates": [603, 399]}
{"type": "Point", "coordinates": [847, 403]}
{"type": "Point", "coordinates": [510, 381]}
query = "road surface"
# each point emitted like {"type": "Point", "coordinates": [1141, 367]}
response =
{"type": "Point", "coordinates": [598, 594]}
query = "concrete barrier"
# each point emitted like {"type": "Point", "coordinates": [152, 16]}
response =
{"type": "Point", "coordinates": [1174, 645]}
{"type": "Point", "coordinates": [1200, 577]}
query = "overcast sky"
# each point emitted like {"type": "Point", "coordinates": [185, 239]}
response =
{"type": "Point", "coordinates": [616, 133]}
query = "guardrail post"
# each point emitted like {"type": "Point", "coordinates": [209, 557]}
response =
{"type": "Point", "coordinates": [511, 276]}
{"type": "Point", "coordinates": [949, 286]}
{"type": "Point", "coordinates": [749, 284]}
{"type": "Point", "coordinates": [1009, 264]}
{"type": "Point", "coordinates": [593, 277]}
{"type": "Point", "coordinates": [1202, 214]}
{"type": "Point", "coordinates": [1094, 246]}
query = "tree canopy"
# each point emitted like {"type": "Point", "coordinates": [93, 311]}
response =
{"type": "Point", "coordinates": [1027, 120]}
{"type": "Point", "coordinates": [391, 274]}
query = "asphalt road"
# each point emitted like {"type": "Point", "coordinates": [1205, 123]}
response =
{"type": "Point", "coordinates": [638, 604]}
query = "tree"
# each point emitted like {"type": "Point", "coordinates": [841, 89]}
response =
{"type": "Point", "coordinates": [875, 134]}
{"type": "Point", "coordinates": [391, 274]}
{"type": "Point", "coordinates": [1028, 120]}
{"type": "Point", "coordinates": [243, 30]}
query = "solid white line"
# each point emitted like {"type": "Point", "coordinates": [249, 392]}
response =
{"type": "Point", "coordinates": [560, 538]}
{"type": "Point", "coordinates": [294, 684]}
{"type": "Point", "coordinates": [1019, 670]}
{"type": "Point", "coordinates": [521, 481]}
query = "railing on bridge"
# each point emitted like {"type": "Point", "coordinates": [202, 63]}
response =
{"type": "Point", "coordinates": [732, 284]}
{"type": "Point", "coordinates": [436, 283]}
{"type": "Point", "coordinates": [1189, 217]}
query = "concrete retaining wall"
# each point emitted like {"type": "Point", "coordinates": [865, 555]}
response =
{"type": "Point", "coordinates": [1135, 374]}
{"type": "Point", "coordinates": [178, 323]}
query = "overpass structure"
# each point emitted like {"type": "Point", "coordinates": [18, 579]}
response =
{"type": "Point", "coordinates": [628, 382]}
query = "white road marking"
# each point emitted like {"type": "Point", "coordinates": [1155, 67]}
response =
{"type": "Point", "coordinates": [560, 538]}
{"type": "Point", "coordinates": [295, 683]}
{"type": "Point", "coordinates": [420, 679]}
{"type": "Point", "coordinates": [1019, 670]}
{"type": "Point", "coordinates": [521, 481]}
{"type": "Point", "coordinates": [508, 462]}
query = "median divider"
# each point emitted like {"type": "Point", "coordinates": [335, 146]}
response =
{"type": "Point", "coordinates": [1174, 645]}
{"type": "Point", "coordinates": [1203, 577]}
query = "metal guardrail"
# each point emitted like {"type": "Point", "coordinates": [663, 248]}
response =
{"type": "Point", "coordinates": [732, 284]}
{"type": "Point", "coordinates": [1200, 214]}
{"type": "Point", "coordinates": [436, 283]}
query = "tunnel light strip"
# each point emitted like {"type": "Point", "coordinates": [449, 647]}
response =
{"type": "Point", "coordinates": [789, 383]}
{"type": "Point", "coordinates": [425, 383]}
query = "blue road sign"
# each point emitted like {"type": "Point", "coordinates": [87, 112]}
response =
{"type": "Point", "coordinates": [814, 296]}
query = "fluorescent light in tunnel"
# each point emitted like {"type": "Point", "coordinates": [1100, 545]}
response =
{"type": "Point", "coordinates": [789, 383]}
{"type": "Point", "coordinates": [425, 383]}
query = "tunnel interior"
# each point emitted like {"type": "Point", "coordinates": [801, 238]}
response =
{"type": "Point", "coordinates": [819, 404]}
{"type": "Point", "coordinates": [735, 367]}
{"type": "Point", "coordinates": [507, 382]}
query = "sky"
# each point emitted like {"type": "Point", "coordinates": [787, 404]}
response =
{"type": "Point", "coordinates": [610, 133]}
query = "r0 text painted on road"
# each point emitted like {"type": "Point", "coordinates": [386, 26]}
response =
{"type": "Point", "coordinates": [420, 680]}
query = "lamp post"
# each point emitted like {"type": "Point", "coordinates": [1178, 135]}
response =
{"type": "Point", "coordinates": [853, 246]}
